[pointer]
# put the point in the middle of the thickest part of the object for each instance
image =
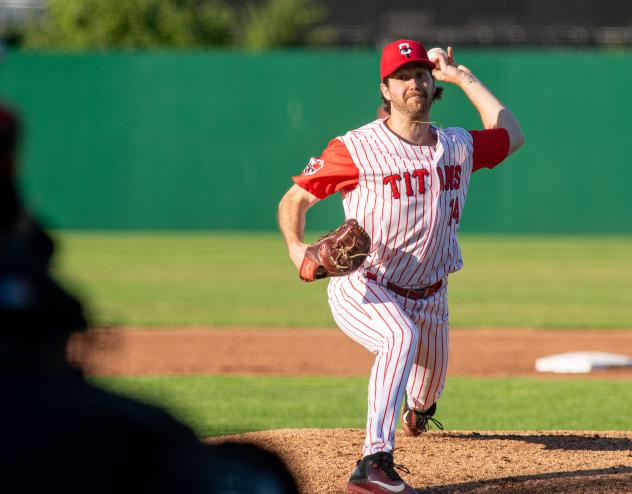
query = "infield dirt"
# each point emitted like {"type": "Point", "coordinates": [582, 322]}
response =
{"type": "Point", "coordinates": [439, 462]}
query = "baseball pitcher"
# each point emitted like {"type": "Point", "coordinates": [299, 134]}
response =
{"type": "Point", "coordinates": [404, 180]}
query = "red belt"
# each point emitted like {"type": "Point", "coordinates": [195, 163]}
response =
{"type": "Point", "coordinates": [412, 293]}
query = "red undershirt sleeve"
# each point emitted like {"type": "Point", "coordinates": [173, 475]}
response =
{"type": "Point", "coordinates": [491, 147]}
{"type": "Point", "coordinates": [332, 172]}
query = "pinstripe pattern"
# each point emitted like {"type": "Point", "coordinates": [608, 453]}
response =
{"type": "Point", "coordinates": [413, 231]}
{"type": "Point", "coordinates": [371, 315]}
{"type": "Point", "coordinates": [410, 343]}
{"type": "Point", "coordinates": [414, 237]}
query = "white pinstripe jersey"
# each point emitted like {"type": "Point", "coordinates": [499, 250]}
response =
{"type": "Point", "coordinates": [408, 198]}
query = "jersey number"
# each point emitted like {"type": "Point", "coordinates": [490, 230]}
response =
{"type": "Point", "coordinates": [455, 214]}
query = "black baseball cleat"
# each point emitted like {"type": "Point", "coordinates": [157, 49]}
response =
{"type": "Point", "coordinates": [414, 422]}
{"type": "Point", "coordinates": [375, 474]}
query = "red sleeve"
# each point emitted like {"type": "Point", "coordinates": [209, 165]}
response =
{"type": "Point", "coordinates": [333, 171]}
{"type": "Point", "coordinates": [491, 146]}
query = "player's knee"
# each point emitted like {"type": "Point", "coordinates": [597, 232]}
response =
{"type": "Point", "coordinates": [407, 336]}
{"type": "Point", "coordinates": [415, 337]}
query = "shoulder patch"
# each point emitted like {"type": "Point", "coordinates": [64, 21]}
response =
{"type": "Point", "coordinates": [313, 166]}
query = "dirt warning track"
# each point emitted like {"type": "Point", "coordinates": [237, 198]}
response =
{"type": "Point", "coordinates": [285, 352]}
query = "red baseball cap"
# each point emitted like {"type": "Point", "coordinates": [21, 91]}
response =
{"type": "Point", "coordinates": [401, 52]}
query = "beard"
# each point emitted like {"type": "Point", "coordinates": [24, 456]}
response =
{"type": "Point", "coordinates": [415, 104]}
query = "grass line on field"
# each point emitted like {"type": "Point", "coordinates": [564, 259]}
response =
{"type": "Point", "coordinates": [218, 405]}
{"type": "Point", "coordinates": [246, 279]}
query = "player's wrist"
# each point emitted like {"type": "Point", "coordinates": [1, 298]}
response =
{"type": "Point", "coordinates": [466, 79]}
{"type": "Point", "coordinates": [297, 253]}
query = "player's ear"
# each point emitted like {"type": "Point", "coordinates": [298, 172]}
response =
{"type": "Point", "coordinates": [385, 92]}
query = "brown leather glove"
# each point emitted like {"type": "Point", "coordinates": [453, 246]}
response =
{"type": "Point", "coordinates": [337, 253]}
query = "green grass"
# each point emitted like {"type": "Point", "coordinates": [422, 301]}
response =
{"type": "Point", "coordinates": [544, 282]}
{"type": "Point", "coordinates": [247, 280]}
{"type": "Point", "coordinates": [218, 405]}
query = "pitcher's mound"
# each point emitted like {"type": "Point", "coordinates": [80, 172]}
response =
{"type": "Point", "coordinates": [462, 461]}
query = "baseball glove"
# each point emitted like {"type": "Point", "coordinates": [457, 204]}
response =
{"type": "Point", "coordinates": [337, 253]}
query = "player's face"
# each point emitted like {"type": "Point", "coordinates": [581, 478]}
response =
{"type": "Point", "coordinates": [410, 89]}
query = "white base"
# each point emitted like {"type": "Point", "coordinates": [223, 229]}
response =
{"type": "Point", "coordinates": [581, 362]}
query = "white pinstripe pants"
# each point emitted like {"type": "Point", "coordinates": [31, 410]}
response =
{"type": "Point", "coordinates": [410, 341]}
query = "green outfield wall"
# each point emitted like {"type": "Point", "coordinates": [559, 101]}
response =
{"type": "Point", "coordinates": [209, 139]}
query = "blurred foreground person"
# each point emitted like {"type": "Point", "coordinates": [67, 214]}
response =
{"type": "Point", "coordinates": [61, 433]}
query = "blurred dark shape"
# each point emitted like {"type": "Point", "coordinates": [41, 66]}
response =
{"type": "Point", "coordinates": [9, 132]}
{"type": "Point", "coordinates": [59, 432]}
{"type": "Point", "coordinates": [242, 468]}
{"type": "Point", "coordinates": [36, 314]}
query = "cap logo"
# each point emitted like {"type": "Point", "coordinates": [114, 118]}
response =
{"type": "Point", "coordinates": [405, 49]}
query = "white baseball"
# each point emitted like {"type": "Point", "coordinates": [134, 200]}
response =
{"type": "Point", "coordinates": [433, 54]}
